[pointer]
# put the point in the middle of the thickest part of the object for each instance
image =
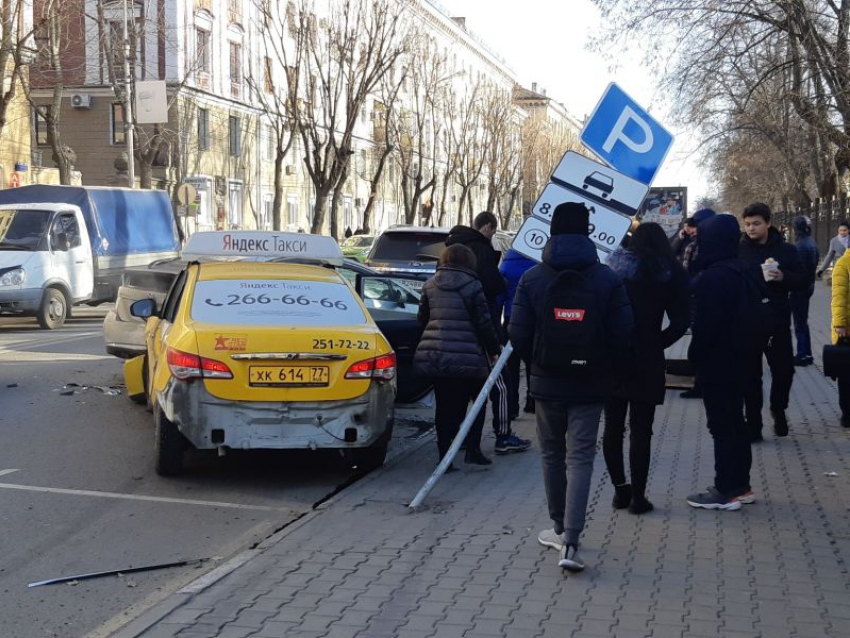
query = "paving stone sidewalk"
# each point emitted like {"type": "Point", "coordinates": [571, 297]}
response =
{"type": "Point", "coordinates": [469, 565]}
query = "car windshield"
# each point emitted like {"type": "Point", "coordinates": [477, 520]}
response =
{"type": "Point", "coordinates": [23, 229]}
{"type": "Point", "coordinates": [275, 302]}
{"type": "Point", "coordinates": [412, 246]}
{"type": "Point", "coordinates": [358, 242]}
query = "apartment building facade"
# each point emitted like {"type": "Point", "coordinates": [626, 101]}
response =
{"type": "Point", "coordinates": [213, 58]}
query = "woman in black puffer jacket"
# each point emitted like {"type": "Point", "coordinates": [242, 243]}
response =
{"type": "Point", "coordinates": [457, 347]}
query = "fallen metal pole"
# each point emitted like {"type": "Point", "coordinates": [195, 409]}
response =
{"type": "Point", "coordinates": [116, 572]}
{"type": "Point", "coordinates": [464, 428]}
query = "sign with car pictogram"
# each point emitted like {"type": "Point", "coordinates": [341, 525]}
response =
{"type": "Point", "coordinates": [599, 183]}
{"type": "Point", "coordinates": [532, 236]}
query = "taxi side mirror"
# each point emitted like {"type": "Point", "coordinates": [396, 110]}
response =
{"type": "Point", "coordinates": [144, 308]}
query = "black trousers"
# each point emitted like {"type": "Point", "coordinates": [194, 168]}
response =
{"type": "Point", "coordinates": [641, 418]}
{"type": "Point", "coordinates": [514, 376]}
{"type": "Point", "coordinates": [453, 396]}
{"type": "Point", "coordinates": [844, 395]}
{"type": "Point", "coordinates": [780, 358]}
{"type": "Point", "coordinates": [732, 453]}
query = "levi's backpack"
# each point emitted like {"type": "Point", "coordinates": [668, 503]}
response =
{"type": "Point", "coordinates": [569, 337]}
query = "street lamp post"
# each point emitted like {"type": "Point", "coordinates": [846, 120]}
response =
{"type": "Point", "coordinates": [128, 107]}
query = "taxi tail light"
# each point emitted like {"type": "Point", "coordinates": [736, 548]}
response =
{"type": "Point", "coordinates": [184, 365]}
{"type": "Point", "coordinates": [382, 367]}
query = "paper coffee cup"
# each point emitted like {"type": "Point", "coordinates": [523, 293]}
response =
{"type": "Point", "coordinates": [767, 270]}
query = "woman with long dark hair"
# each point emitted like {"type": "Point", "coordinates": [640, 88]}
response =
{"type": "Point", "coordinates": [657, 285]}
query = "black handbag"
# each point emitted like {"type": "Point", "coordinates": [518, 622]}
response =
{"type": "Point", "coordinates": [836, 359]}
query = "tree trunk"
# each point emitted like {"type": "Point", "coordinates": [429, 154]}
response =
{"type": "Point", "coordinates": [374, 183]}
{"type": "Point", "coordinates": [277, 202]}
{"type": "Point", "coordinates": [319, 208]}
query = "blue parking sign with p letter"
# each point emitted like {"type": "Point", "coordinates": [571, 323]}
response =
{"type": "Point", "coordinates": [623, 134]}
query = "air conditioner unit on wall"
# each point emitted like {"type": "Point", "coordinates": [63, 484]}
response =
{"type": "Point", "coordinates": [81, 101]}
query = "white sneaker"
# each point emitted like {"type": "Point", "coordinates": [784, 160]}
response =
{"type": "Point", "coordinates": [548, 538]}
{"type": "Point", "coordinates": [570, 560]}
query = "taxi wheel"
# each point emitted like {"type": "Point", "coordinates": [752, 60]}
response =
{"type": "Point", "coordinates": [170, 445]}
{"type": "Point", "coordinates": [369, 458]}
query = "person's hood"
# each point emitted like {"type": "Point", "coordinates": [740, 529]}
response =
{"type": "Point", "coordinates": [569, 252]}
{"type": "Point", "coordinates": [773, 237]}
{"type": "Point", "coordinates": [453, 277]}
{"type": "Point", "coordinates": [516, 261]}
{"type": "Point", "coordinates": [466, 236]}
{"type": "Point", "coordinates": [718, 239]}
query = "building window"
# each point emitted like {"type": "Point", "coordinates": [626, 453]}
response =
{"type": "Point", "coordinates": [234, 11]}
{"type": "Point", "coordinates": [203, 129]}
{"type": "Point", "coordinates": [292, 211]}
{"type": "Point", "coordinates": [235, 128]}
{"type": "Point", "coordinates": [40, 124]}
{"type": "Point", "coordinates": [202, 52]}
{"type": "Point", "coordinates": [235, 69]}
{"type": "Point", "coordinates": [268, 83]}
{"type": "Point", "coordinates": [116, 47]}
{"type": "Point", "coordinates": [348, 215]}
{"type": "Point", "coordinates": [204, 5]}
{"type": "Point", "coordinates": [119, 133]}
{"type": "Point", "coordinates": [271, 143]}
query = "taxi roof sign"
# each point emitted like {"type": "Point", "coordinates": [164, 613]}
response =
{"type": "Point", "coordinates": [270, 244]}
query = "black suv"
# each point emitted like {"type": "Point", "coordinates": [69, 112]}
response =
{"type": "Point", "coordinates": [408, 250]}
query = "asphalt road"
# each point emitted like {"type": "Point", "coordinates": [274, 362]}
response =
{"type": "Point", "coordinates": [78, 492]}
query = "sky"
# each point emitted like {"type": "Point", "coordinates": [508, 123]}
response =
{"type": "Point", "coordinates": [545, 41]}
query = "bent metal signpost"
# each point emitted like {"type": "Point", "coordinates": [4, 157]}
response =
{"type": "Point", "coordinates": [633, 145]}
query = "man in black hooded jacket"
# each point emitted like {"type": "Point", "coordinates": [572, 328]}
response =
{"type": "Point", "coordinates": [763, 244]}
{"type": "Point", "coordinates": [718, 349]}
{"type": "Point", "coordinates": [479, 240]}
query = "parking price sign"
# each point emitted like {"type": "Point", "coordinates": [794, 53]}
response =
{"type": "Point", "coordinates": [633, 145]}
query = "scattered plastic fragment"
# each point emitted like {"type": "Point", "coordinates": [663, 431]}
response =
{"type": "Point", "coordinates": [11, 385]}
{"type": "Point", "coordinates": [830, 473]}
{"type": "Point", "coordinates": [70, 389]}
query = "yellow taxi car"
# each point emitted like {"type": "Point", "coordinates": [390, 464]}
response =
{"type": "Point", "coordinates": [252, 354]}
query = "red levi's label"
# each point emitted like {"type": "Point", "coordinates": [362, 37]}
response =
{"type": "Point", "coordinates": [569, 314]}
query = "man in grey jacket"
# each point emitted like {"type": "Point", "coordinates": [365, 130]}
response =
{"type": "Point", "coordinates": [837, 246]}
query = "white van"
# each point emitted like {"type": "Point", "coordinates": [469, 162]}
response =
{"type": "Point", "coordinates": [45, 261]}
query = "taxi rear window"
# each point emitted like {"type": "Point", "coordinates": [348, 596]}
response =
{"type": "Point", "coordinates": [275, 302]}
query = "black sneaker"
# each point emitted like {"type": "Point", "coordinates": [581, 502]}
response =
{"type": "Point", "coordinates": [622, 496]}
{"type": "Point", "coordinates": [570, 559]}
{"type": "Point", "coordinates": [802, 362]}
{"type": "Point", "coordinates": [476, 457]}
{"type": "Point", "coordinates": [845, 420]}
{"type": "Point", "coordinates": [780, 423]}
{"type": "Point", "coordinates": [711, 499]}
{"type": "Point", "coordinates": [529, 406]}
{"type": "Point", "coordinates": [693, 393]}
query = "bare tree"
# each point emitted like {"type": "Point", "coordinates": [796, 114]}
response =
{"type": "Point", "coordinates": [418, 124]}
{"type": "Point", "coordinates": [465, 115]}
{"type": "Point", "coordinates": [504, 158]}
{"type": "Point", "coordinates": [712, 57]}
{"type": "Point", "coordinates": [15, 52]}
{"type": "Point", "coordinates": [347, 54]}
{"type": "Point", "coordinates": [277, 87]}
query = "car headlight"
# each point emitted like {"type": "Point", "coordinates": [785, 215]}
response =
{"type": "Point", "coordinates": [14, 277]}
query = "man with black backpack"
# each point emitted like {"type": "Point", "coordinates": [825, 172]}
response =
{"type": "Point", "coordinates": [571, 318]}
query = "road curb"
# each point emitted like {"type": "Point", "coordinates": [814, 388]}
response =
{"type": "Point", "coordinates": [134, 626]}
